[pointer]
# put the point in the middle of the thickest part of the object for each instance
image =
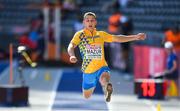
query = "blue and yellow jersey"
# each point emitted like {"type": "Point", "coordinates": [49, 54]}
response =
{"type": "Point", "coordinates": [91, 46]}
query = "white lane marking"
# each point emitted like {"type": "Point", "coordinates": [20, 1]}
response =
{"type": "Point", "coordinates": [122, 102]}
{"type": "Point", "coordinates": [149, 103]}
{"type": "Point", "coordinates": [54, 90]}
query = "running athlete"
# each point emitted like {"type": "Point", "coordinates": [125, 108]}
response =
{"type": "Point", "coordinates": [91, 46]}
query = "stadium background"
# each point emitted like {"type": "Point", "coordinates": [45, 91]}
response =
{"type": "Point", "coordinates": [18, 18]}
{"type": "Point", "coordinates": [151, 17]}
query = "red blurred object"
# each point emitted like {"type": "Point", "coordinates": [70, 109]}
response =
{"type": "Point", "coordinates": [148, 89]}
{"type": "Point", "coordinates": [148, 60]}
{"type": "Point", "coordinates": [165, 86]}
{"type": "Point", "coordinates": [24, 40]}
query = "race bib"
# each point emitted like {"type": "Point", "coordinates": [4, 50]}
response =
{"type": "Point", "coordinates": [93, 52]}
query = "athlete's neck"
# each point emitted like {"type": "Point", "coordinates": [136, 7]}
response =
{"type": "Point", "coordinates": [90, 30]}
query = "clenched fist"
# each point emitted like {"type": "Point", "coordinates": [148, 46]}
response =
{"type": "Point", "coordinates": [141, 36]}
{"type": "Point", "coordinates": [73, 59]}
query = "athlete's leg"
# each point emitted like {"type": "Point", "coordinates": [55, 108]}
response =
{"type": "Point", "coordinates": [104, 78]}
{"type": "Point", "coordinates": [106, 85]}
{"type": "Point", "coordinates": [87, 93]}
{"type": "Point", "coordinates": [88, 84]}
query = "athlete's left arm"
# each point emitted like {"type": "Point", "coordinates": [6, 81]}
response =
{"type": "Point", "coordinates": [124, 38]}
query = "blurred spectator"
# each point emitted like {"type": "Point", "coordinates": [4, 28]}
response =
{"type": "Point", "coordinates": [33, 34]}
{"type": "Point", "coordinates": [171, 71]}
{"type": "Point", "coordinates": [126, 25]}
{"type": "Point", "coordinates": [124, 3]}
{"type": "Point", "coordinates": [170, 74]}
{"type": "Point", "coordinates": [34, 39]}
{"type": "Point", "coordinates": [173, 35]}
{"type": "Point", "coordinates": [116, 5]}
{"type": "Point", "coordinates": [36, 29]}
{"type": "Point", "coordinates": [110, 6]}
{"type": "Point", "coordinates": [126, 29]}
{"type": "Point", "coordinates": [68, 7]}
{"type": "Point", "coordinates": [40, 38]}
{"type": "Point", "coordinates": [114, 22]}
{"type": "Point", "coordinates": [120, 24]}
{"type": "Point", "coordinates": [24, 40]}
{"type": "Point", "coordinates": [116, 57]}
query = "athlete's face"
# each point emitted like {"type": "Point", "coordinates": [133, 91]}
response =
{"type": "Point", "coordinates": [89, 22]}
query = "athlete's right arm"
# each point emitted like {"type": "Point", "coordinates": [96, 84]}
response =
{"type": "Point", "coordinates": [71, 53]}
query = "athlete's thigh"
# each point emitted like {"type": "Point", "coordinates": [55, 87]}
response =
{"type": "Point", "coordinates": [89, 81]}
{"type": "Point", "coordinates": [104, 72]}
{"type": "Point", "coordinates": [105, 75]}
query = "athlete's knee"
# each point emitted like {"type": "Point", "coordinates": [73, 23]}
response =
{"type": "Point", "coordinates": [105, 75]}
{"type": "Point", "coordinates": [104, 79]}
{"type": "Point", "coordinates": [87, 93]}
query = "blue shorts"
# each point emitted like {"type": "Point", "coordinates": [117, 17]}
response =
{"type": "Point", "coordinates": [90, 80]}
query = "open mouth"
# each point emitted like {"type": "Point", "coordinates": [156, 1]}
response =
{"type": "Point", "coordinates": [90, 26]}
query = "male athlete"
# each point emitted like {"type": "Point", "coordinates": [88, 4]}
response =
{"type": "Point", "coordinates": [91, 45]}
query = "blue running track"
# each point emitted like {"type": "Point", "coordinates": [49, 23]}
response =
{"type": "Point", "coordinates": [69, 94]}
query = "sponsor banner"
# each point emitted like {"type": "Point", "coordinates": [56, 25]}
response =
{"type": "Point", "coordinates": [93, 52]}
{"type": "Point", "coordinates": [148, 61]}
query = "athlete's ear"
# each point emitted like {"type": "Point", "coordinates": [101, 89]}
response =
{"type": "Point", "coordinates": [84, 22]}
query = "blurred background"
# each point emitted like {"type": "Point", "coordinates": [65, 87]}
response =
{"type": "Point", "coordinates": [45, 28]}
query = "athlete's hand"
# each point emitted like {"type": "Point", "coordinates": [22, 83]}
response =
{"type": "Point", "coordinates": [73, 59]}
{"type": "Point", "coordinates": [141, 36]}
